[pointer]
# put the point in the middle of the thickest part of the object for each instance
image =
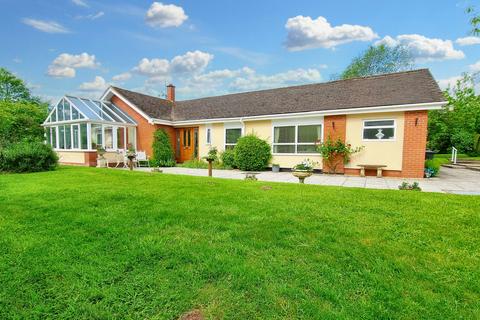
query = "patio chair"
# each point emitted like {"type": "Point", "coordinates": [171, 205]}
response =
{"type": "Point", "coordinates": [142, 159]}
{"type": "Point", "coordinates": [120, 158]}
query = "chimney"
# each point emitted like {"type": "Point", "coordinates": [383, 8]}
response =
{"type": "Point", "coordinates": [171, 92]}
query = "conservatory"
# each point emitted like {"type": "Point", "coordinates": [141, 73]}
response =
{"type": "Point", "coordinates": [77, 127]}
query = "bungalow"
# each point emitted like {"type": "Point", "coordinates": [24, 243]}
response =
{"type": "Point", "coordinates": [387, 114]}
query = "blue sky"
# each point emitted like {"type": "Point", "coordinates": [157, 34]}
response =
{"type": "Point", "coordinates": [216, 47]}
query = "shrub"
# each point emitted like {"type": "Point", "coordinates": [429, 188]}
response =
{"type": "Point", "coordinates": [163, 155]}
{"type": "Point", "coordinates": [252, 153]}
{"type": "Point", "coordinates": [228, 158]}
{"type": "Point", "coordinates": [407, 186]}
{"type": "Point", "coordinates": [334, 152]}
{"type": "Point", "coordinates": [27, 157]}
{"type": "Point", "coordinates": [194, 164]}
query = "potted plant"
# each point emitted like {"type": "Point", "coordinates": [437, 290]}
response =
{"type": "Point", "coordinates": [303, 170]}
{"type": "Point", "coordinates": [131, 155]}
{"type": "Point", "coordinates": [211, 157]}
{"type": "Point", "coordinates": [275, 167]}
{"type": "Point", "coordinates": [101, 161]}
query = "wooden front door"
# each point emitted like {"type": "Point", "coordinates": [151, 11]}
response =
{"type": "Point", "coordinates": [187, 144]}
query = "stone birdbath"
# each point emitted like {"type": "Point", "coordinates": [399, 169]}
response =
{"type": "Point", "coordinates": [210, 158]}
{"type": "Point", "coordinates": [303, 170]}
{"type": "Point", "coordinates": [131, 155]}
{"type": "Point", "coordinates": [302, 174]}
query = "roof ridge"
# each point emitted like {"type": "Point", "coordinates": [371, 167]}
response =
{"type": "Point", "coordinates": [141, 93]}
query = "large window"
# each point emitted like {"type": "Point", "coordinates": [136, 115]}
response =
{"type": "Point", "coordinates": [76, 136]}
{"type": "Point", "coordinates": [83, 136]}
{"type": "Point", "coordinates": [96, 136]}
{"type": "Point", "coordinates": [108, 132]}
{"type": "Point", "coordinates": [120, 137]}
{"type": "Point", "coordinates": [379, 130]}
{"type": "Point", "coordinates": [61, 137]}
{"type": "Point", "coordinates": [231, 137]}
{"type": "Point", "coordinates": [296, 138]}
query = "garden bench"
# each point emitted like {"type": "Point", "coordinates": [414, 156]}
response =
{"type": "Point", "coordinates": [377, 167]}
{"type": "Point", "coordinates": [250, 175]}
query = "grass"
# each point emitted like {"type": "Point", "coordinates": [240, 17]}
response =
{"type": "Point", "coordinates": [459, 156]}
{"type": "Point", "coordinates": [87, 243]}
{"type": "Point", "coordinates": [202, 164]}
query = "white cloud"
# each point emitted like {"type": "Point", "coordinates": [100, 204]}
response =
{"type": "Point", "coordinates": [191, 62]}
{"type": "Point", "coordinates": [448, 82]}
{"type": "Point", "coordinates": [475, 67]}
{"type": "Point", "coordinates": [153, 67]}
{"type": "Point", "coordinates": [243, 79]}
{"type": "Point", "coordinates": [258, 81]}
{"type": "Point", "coordinates": [468, 41]}
{"type": "Point", "coordinates": [257, 58]}
{"type": "Point", "coordinates": [424, 49]}
{"type": "Point", "coordinates": [65, 64]}
{"type": "Point", "coordinates": [165, 15]}
{"type": "Point", "coordinates": [98, 84]}
{"type": "Point", "coordinates": [122, 76]}
{"type": "Point", "coordinates": [80, 3]}
{"type": "Point", "coordinates": [45, 26]}
{"type": "Point", "coordinates": [306, 33]}
{"type": "Point", "coordinates": [92, 16]}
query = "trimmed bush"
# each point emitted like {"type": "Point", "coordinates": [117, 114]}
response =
{"type": "Point", "coordinates": [27, 157]}
{"type": "Point", "coordinates": [163, 155]}
{"type": "Point", "coordinates": [228, 158]}
{"type": "Point", "coordinates": [252, 153]}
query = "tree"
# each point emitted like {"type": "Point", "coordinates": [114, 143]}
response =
{"type": "Point", "coordinates": [458, 123]}
{"type": "Point", "coordinates": [21, 121]}
{"type": "Point", "coordinates": [14, 89]}
{"type": "Point", "coordinates": [163, 155]}
{"type": "Point", "coordinates": [378, 60]}
{"type": "Point", "coordinates": [474, 20]}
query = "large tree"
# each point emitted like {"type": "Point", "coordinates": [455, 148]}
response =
{"type": "Point", "coordinates": [378, 60]}
{"type": "Point", "coordinates": [14, 89]}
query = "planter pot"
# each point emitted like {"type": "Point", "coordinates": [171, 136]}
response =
{"type": "Point", "coordinates": [275, 168]}
{"type": "Point", "coordinates": [302, 174]}
{"type": "Point", "coordinates": [101, 163]}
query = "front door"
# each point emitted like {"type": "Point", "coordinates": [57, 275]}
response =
{"type": "Point", "coordinates": [188, 144]}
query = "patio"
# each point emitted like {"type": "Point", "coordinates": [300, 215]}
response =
{"type": "Point", "coordinates": [458, 181]}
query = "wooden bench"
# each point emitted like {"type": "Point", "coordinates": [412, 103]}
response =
{"type": "Point", "coordinates": [377, 167]}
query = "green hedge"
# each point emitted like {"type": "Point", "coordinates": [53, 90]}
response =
{"type": "Point", "coordinates": [252, 153]}
{"type": "Point", "coordinates": [27, 157]}
{"type": "Point", "coordinates": [163, 155]}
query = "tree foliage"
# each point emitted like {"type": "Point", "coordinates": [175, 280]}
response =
{"type": "Point", "coordinates": [20, 121]}
{"type": "Point", "coordinates": [163, 155]}
{"type": "Point", "coordinates": [252, 153]}
{"type": "Point", "coordinates": [474, 20]}
{"type": "Point", "coordinates": [458, 123]}
{"type": "Point", "coordinates": [379, 60]}
{"type": "Point", "coordinates": [14, 89]}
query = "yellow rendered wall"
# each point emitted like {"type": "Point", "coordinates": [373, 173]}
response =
{"type": "Point", "coordinates": [71, 157]}
{"type": "Point", "coordinates": [384, 152]}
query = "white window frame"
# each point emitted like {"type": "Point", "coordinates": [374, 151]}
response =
{"type": "Point", "coordinates": [208, 135]}
{"type": "Point", "coordinates": [394, 126]}
{"type": "Point", "coordinates": [296, 124]}
{"type": "Point", "coordinates": [228, 126]}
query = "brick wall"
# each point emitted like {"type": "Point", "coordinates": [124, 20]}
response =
{"type": "Point", "coordinates": [414, 143]}
{"type": "Point", "coordinates": [335, 127]}
{"type": "Point", "coordinates": [145, 129]}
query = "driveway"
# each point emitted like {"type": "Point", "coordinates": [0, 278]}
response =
{"type": "Point", "coordinates": [459, 181]}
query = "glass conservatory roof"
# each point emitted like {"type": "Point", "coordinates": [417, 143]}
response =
{"type": "Point", "coordinates": [75, 108]}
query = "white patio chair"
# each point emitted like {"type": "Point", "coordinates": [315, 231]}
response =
{"type": "Point", "coordinates": [142, 159]}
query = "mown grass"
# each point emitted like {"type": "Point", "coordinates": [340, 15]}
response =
{"type": "Point", "coordinates": [86, 243]}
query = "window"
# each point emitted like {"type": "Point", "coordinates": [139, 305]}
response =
{"type": "Point", "coordinates": [131, 140]}
{"type": "Point", "coordinates": [231, 137]}
{"type": "Point", "coordinates": [296, 139]}
{"type": "Point", "coordinates": [120, 137]}
{"type": "Point", "coordinates": [68, 137]}
{"type": "Point", "coordinates": [96, 136]}
{"type": "Point", "coordinates": [54, 136]}
{"type": "Point", "coordinates": [61, 137]}
{"type": "Point", "coordinates": [66, 110]}
{"type": "Point", "coordinates": [76, 135]}
{"type": "Point", "coordinates": [83, 136]}
{"type": "Point", "coordinates": [60, 111]}
{"type": "Point", "coordinates": [379, 130]}
{"type": "Point", "coordinates": [108, 136]}
{"type": "Point", "coordinates": [209, 135]}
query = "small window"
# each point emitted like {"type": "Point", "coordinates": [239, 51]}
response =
{"type": "Point", "coordinates": [209, 136]}
{"type": "Point", "coordinates": [231, 137]}
{"type": "Point", "coordinates": [379, 130]}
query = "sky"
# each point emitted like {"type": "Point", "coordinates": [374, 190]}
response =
{"type": "Point", "coordinates": [206, 48]}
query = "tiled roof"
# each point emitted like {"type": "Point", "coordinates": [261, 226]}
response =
{"type": "Point", "coordinates": [409, 87]}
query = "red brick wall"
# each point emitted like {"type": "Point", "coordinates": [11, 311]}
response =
{"type": "Point", "coordinates": [145, 129]}
{"type": "Point", "coordinates": [90, 158]}
{"type": "Point", "coordinates": [414, 143]}
{"type": "Point", "coordinates": [335, 127]}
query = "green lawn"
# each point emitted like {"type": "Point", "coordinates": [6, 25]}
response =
{"type": "Point", "coordinates": [97, 243]}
